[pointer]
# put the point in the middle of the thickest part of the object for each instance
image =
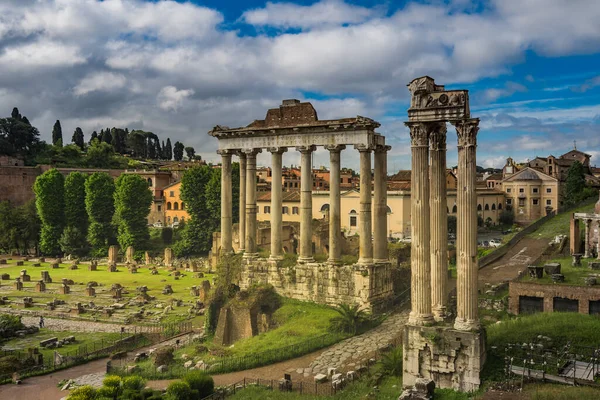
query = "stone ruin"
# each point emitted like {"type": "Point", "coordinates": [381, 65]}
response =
{"type": "Point", "coordinates": [64, 289]}
{"type": "Point", "coordinates": [133, 269]}
{"type": "Point", "coordinates": [194, 291]}
{"type": "Point", "coordinates": [20, 263]}
{"type": "Point", "coordinates": [116, 291]}
{"type": "Point", "coordinates": [27, 302]}
{"type": "Point", "coordinates": [73, 266]}
{"type": "Point", "coordinates": [40, 287]}
{"type": "Point", "coordinates": [113, 255]}
{"type": "Point", "coordinates": [129, 255]}
{"type": "Point", "coordinates": [77, 309]}
{"type": "Point", "coordinates": [17, 284]}
{"type": "Point", "coordinates": [24, 276]}
{"type": "Point", "coordinates": [147, 258]}
{"type": "Point", "coordinates": [55, 265]}
{"type": "Point", "coordinates": [153, 271]}
{"type": "Point", "coordinates": [168, 260]}
{"type": "Point", "coordinates": [93, 266]}
{"type": "Point", "coordinates": [167, 290]}
{"type": "Point", "coordinates": [203, 291]}
{"type": "Point", "coordinates": [2, 261]}
{"type": "Point", "coordinates": [143, 293]}
{"type": "Point", "coordinates": [46, 277]}
{"type": "Point", "coordinates": [90, 291]}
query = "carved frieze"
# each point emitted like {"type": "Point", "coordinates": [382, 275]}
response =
{"type": "Point", "coordinates": [467, 132]}
{"type": "Point", "coordinates": [431, 102]}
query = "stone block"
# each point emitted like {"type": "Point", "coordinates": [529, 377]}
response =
{"type": "Point", "coordinates": [113, 255]}
{"type": "Point", "coordinates": [557, 278]}
{"type": "Point", "coordinates": [129, 254]}
{"type": "Point", "coordinates": [331, 371]}
{"type": "Point", "coordinates": [161, 368]}
{"type": "Point", "coordinates": [590, 281]}
{"type": "Point", "coordinates": [320, 378]}
{"type": "Point", "coordinates": [46, 277]}
{"type": "Point", "coordinates": [17, 284]}
{"type": "Point", "coordinates": [64, 289]}
{"type": "Point", "coordinates": [40, 287]}
{"type": "Point", "coordinates": [90, 291]}
{"type": "Point", "coordinates": [73, 267]}
{"type": "Point", "coordinates": [168, 259]}
{"type": "Point", "coordinates": [2, 261]}
{"type": "Point", "coordinates": [577, 259]}
{"type": "Point", "coordinates": [552, 268]}
{"type": "Point", "coordinates": [5, 277]}
{"type": "Point", "coordinates": [188, 364]}
{"type": "Point", "coordinates": [92, 267]}
{"type": "Point", "coordinates": [594, 265]}
{"type": "Point", "coordinates": [112, 268]}
{"type": "Point", "coordinates": [54, 266]}
{"type": "Point", "coordinates": [535, 271]}
{"type": "Point", "coordinates": [20, 263]}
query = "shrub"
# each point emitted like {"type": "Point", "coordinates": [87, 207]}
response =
{"type": "Point", "coordinates": [130, 394]}
{"type": "Point", "coordinates": [134, 382]}
{"type": "Point", "coordinates": [9, 324]}
{"type": "Point", "coordinates": [9, 364]}
{"type": "Point", "coordinates": [164, 356]}
{"type": "Point", "coordinates": [83, 393]}
{"type": "Point", "coordinates": [350, 318]}
{"type": "Point", "coordinates": [111, 387]}
{"type": "Point", "coordinates": [392, 362]}
{"type": "Point", "coordinates": [167, 235]}
{"type": "Point", "coordinates": [201, 382]}
{"type": "Point", "coordinates": [179, 391]}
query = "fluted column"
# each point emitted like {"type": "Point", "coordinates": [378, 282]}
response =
{"type": "Point", "coordinates": [587, 238]}
{"type": "Point", "coordinates": [306, 254]}
{"type": "Point", "coordinates": [335, 226]}
{"type": "Point", "coordinates": [439, 221]}
{"type": "Point", "coordinates": [276, 204]}
{"type": "Point", "coordinates": [242, 202]}
{"type": "Point", "coordinates": [420, 262]}
{"type": "Point", "coordinates": [226, 205]}
{"type": "Point", "coordinates": [380, 243]}
{"type": "Point", "coordinates": [466, 232]}
{"type": "Point", "coordinates": [365, 229]}
{"type": "Point", "coordinates": [251, 202]}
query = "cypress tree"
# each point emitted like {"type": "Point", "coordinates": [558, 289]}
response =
{"type": "Point", "coordinates": [78, 138]}
{"type": "Point", "coordinates": [57, 138]}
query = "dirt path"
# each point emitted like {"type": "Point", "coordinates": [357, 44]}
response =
{"type": "Point", "coordinates": [517, 259]}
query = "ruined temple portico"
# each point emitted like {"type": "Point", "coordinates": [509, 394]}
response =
{"type": "Point", "coordinates": [295, 126]}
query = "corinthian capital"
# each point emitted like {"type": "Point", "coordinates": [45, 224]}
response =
{"type": "Point", "coordinates": [252, 152]}
{"type": "Point", "coordinates": [306, 149]}
{"type": "Point", "coordinates": [419, 134]}
{"type": "Point", "coordinates": [336, 148]}
{"type": "Point", "coordinates": [437, 136]}
{"type": "Point", "coordinates": [467, 132]}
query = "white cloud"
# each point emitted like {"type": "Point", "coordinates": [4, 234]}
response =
{"type": "Point", "coordinates": [100, 81]}
{"type": "Point", "coordinates": [171, 99]}
{"type": "Point", "coordinates": [509, 89]}
{"type": "Point", "coordinates": [43, 53]}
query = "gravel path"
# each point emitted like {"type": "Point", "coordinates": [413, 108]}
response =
{"type": "Point", "coordinates": [57, 324]}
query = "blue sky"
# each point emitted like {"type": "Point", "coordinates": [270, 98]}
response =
{"type": "Point", "coordinates": [179, 68]}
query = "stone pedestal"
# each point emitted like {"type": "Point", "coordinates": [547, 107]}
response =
{"type": "Point", "coordinates": [40, 287]}
{"type": "Point", "coordinates": [90, 291]}
{"type": "Point", "coordinates": [18, 285]}
{"type": "Point", "coordinates": [24, 276]}
{"type": "Point", "coordinates": [168, 261]}
{"type": "Point", "coordinates": [147, 258]}
{"type": "Point", "coordinates": [46, 277]}
{"type": "Point", "coordinates": [129, 253]}
{"type": "Point", "coordinates": [112, 268]}
{"type": "Point", "coordinates": [453, 359]}
{"type": "Point", "coordinates": [113, 254]}
{"type": "Point", "coordinates": [64, 289]}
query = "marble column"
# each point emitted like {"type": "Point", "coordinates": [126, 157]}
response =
{"type": "Point", "coordinates": [335, 225]}
{"type": "Point", "coordinates": [439, 221]}
{"type": "Point", "coordinates": [226, 205]}
{"type": "Point", "coordinates": [586, 238]}
{"type": "Point", "coordinates": [380, 242]}
{"type": "Point", "coordinates": [251, 203]}
{"type": "Point", "coordinates": [365, 224]}
{"type": "Point", "coordinates": [276, 204]}
{"type": "Point", "coordinates": [306, 253]}
{"type": "Point", "coordinates": [242, 202]}
{"type": "Point", "coordinates": [466, 232]}
{"type": "Point", "coordinates": [420, 260]}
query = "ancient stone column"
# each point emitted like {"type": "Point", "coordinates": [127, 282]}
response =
{"type": "Point", "coordinates": [439, 221]}
{"type": "Point", "coordinates": [276, 204]}
{"type": "Point", "coordinates": [466, 232]}
{"type": "Point", "coordinates": [226, 206]}
{"type": "Point", "coordinates": [380, 248]}
{"type": "Point", "coordinates": [420, 261]}
{"type": "Point", "coordinates": [365, 229]}
{"type": "Point", "coordinates": [586, 238]}
{"type": "Point", "coordinates": [335, 225]}
{"type": "Point", "coordinates": [242, 210]}
{"type": "Point", "coordinates": [251, 202]}
{"type": "Point", "coordinates": [306, 184]}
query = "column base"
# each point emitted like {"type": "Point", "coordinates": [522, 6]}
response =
{"type": "Point", "coordinates": [334, 261]}
{"type": "Point", "coordinates": [440, 314]}
{"type": "Point", "coordinates": [381, 261]}
{"type": "Point", "coordinates": [250, 255]}
{"type": "Point", "coordinates": [365, 261]}
{"type": "Point", "coordinates": [461, 324]}
{"type": "Point", "coordinates": [306, 260]}
{"type": "Point", "coordinates": [420, 319]}
{"type": "Point", "coordinates": [275, 258]}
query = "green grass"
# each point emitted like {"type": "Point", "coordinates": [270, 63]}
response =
{"type": "Point", "coordinates": [560, 392]}
{"type": "Point", "coordinates": [574, 276]}
{"type": "Point", "coordinates": [82, 276]}
{"type": "Point", "coordinates": [82, 338]}
{"type": "Point", "coordinates": [559, 225]}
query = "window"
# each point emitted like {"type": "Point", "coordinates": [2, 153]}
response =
{"type": "Point", "coordinates": [548, 190]}
{"type": "Point", "coordinates": [176, 206]}
{"type": "Point", "coordinates": [285, 210]}
{"type": "Point", "coordinates": [493, 207]}
{"type": "Point", "coordinates": [508, 202]}
{"type": "Point", "coordinates": [535, 190]}
{"type": "Point", "coordinates": [499, 206]}
{"type": "Point", "coordinates": [454, 209]}
{"type": "Point", "coordinates": [158, 207]}
{"type": "Point", "coordinates": [169, 220]}
{"type": "Point", "coordinates": [508, 190]}
{"type": "Point", "coordinates": [521, 190]}
{"type": "Point", "coordinates": [182, 206]}
{"type": "Point", "coordinates": [352, 221]}
{"type": "Point", "coordinates": [548, 202]}
{"type": "Point", "coordinates": [149, 181]}
{"type": "Point", "coordinates": [521, 202]}
{"type": "Point", "coordinates": [487, 207]}
{"type": "Point", "coordinates": [169, 205]}
{"type": "Point", "coordinates": [175, 220]}
{"type": "Point", "coordinates": [341, 180]}
{"type": "Point", "coordinates": [324, 207]}
{"type": "Point", "coordinates": [536, 202]}
{"type": "Point", "coordinates": [267, 210]}
{"type": "Point", "coordinates": [295, 210]}
{"type": "Point", "coordinates": [478, 207]}
{"type": "Point", "coordinates": [171, 194]}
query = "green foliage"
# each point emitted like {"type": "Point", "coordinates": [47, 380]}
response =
{"type": "Point", "coordinates": [57, 138]}
{"type": "Point", "coordinates": [392, 362]}
{"type": "Point", "coordinates": [100, 155]}
{"type": "Point", "coordinates": [83, 393]}
{"type": "Point", "coordinates": [78, 139]}
{"type": "Point", "coordinates": [164, 356]}
{"type": "Point", "coordinates": [112, 387]}
{"type": "Point", "coordinates": [575, 184]}
{"type": "Point", "coordinates": [134, 383]}
{"type": "Point", "coordinates": [229, 269]}
{"type": "Point", "coordinates": [166, 235]}
{"type": "Point", "coordinates": [50, 202]}
{"type": "Point", "coordinates": [178, 151]}
{"type": "Point", "coordinates": [75, 212]}
{"type": "Point", "coordinates": [132, 206]}
{"type": "Point", "coordinates": [99, 203]}
{"type": "Point", "coordinates": [73, 241]}
{"type": "Point", "coordinates": [20, 227]}
{"type": "Point", "coordinates": [179, 390]}
{"type": "Point", "coordinates": [9, 324]}
{"type": "Point", "coordinates": [349, 320]}
{"type": "Point", "coordinates": [190, 152]}
{"type": "Point", "coordinates": [451, 224]}
{"type": "Point", "coordinates": [201, 382]}
{"type": "Point", "coordinates": [18, 137]}
{"type": "Point", "coordinates": [506, 218]}
{"type": "Point", "coordinates": [168, 150]}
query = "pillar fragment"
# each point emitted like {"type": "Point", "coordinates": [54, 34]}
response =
{"type": "Point", "coordinates": [380, 242]}
{"type": "Point", "coordinates": [365, 231]}
{"type": "Point", "coordinates": [439, 221]}
{"type": "Point", "coordinates": [466, 233]}
{"type": "Point", "coordinates": [306, 253]}
{"type": "Point", "coordinates": [242, 202]}
{"type": "Point", "coordinates": [250, 251]}
{"type": "Point", "coordinates": [420, 261]}
{"type": "Point", "coordinates": [335, 227]}
{"type": "Point", "coordinates": [276, 203]}
{"type": "Point", "coordinates": [586, 238]}
{"type": "Point", "coordinates": [226, 206]}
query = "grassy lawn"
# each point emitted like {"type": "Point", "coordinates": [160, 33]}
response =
{"type": "Point", "coordinates": [560, 392]}
{"type": "Point", "coordinates": [105, 279]}
{"type": "Point", "coordinates": [81, 338]}
{"type": "Point", "coordinates": [574, 276]}
{"type": "Point", "coordinates": [559, 225]}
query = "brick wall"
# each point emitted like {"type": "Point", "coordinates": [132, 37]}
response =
{"type": "Point", "coordinates": [583, 294]}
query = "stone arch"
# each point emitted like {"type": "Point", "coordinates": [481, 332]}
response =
{"type": "Point", "coordinates": [493, 206]}
{"type": "Point", "coordinates": [182, 205]}
{"type": "Point", "coordinates": [478, 207]}
{"type": "Point", "coordinates": [499, 206]}
{"type": "Point", "coordinates": [175, 220]}
{"type": "Point", "coordinates": [388, 209]}
{"type": "Point", "coordinates": [487, 207]}
{"type": "Point", "coordinates": [325, 207]}
{"type": "Point", "coordinates": [168, 205]}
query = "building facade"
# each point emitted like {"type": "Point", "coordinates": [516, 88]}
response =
{"type": "Point", "coordinates": [531, 194]}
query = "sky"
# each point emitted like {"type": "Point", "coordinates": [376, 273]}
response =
{"type": "Point", "coordinates": [532, 67]}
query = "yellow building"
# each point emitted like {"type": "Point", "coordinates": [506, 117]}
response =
{"type": "Point", "coordinates": [174, 207]}
{"type": "Point", "coordinates": [531, 194]}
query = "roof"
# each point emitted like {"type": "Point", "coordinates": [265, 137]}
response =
{"type": "Point", "coordinates": [494, 177]}
{"type": "Point", "coordinates": [172, 184]}
{"type": "Point", "coordinates": [529, 174]}
{"type": "Point", "coordinates": [402, 175]}
{"type": "Point", "coordinates": [292, 195]}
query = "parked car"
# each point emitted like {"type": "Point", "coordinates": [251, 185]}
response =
{"type": "Point", "coordinates": [495, 243]}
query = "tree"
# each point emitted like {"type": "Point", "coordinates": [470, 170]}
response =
{"type": "Point", "coordinates": [506, 218]}
{"type": "Point", "coordinates": [50, 202]}
{"type": "Point", "coordinates": [99, 204]}
{"type": "Point", "coordinates": [451, 224]}
{"type": "Point", "coordinates": [178, 151]}
{"type": "Point", "coordinates": [15, 114]}
{"type": "Point", "coordinates": [29, 227]}
{"type": "Point", "coordinates": [107, 138]}
{"type": "Point", "coordinates": [99, 154]}
{"type": "Point", "coordinates": [132, 206]}
{"type": "Point", "coordinates": [94, 136]}
{"type": "Point", "coordinates": [575, 189]}
{"type": "Point", "coordinates": [18, 137]}
{"type": "Point", "coordinates": [350, 318]}
{"type": "Point", "coordinates": [137, 143]}
{"type": "Point", "coordinates": [190, 152]}
{"type": "Point", "coordinates": [57, 138]}
{"type": "Point", "coordinates": [8, 227]}
{"type": "Point", "coordinates": [168, 150]}
{"type": "Point", "coordinates": [73, 239]}
{"type": "Point", "coordinates": [77, 138]}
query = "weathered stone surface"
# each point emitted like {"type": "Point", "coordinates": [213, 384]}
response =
{"type": "Point", "coordinates": [535, 271]}
{"type": "Point", "coordinates": [168, 259]}
{"type": "Point", "coordinates": [320, 378]}
{"type": "Point", "coordinates": [552, 268]}
{"type": "Point", "coordinates": [113, 255]}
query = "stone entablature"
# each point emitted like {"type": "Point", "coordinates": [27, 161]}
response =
{"type": "Point", "coordinates": [548, 292]}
